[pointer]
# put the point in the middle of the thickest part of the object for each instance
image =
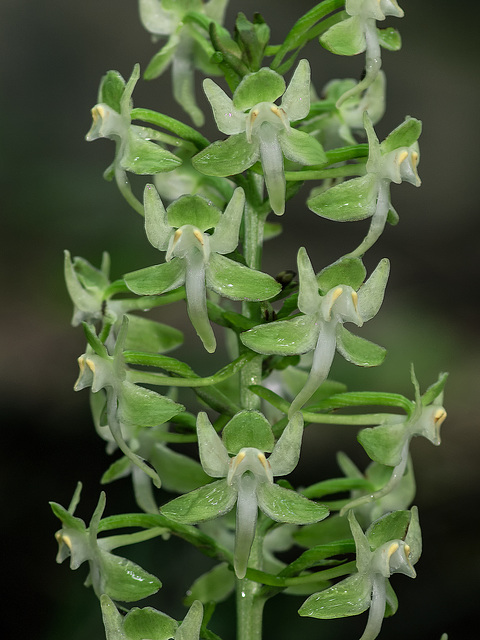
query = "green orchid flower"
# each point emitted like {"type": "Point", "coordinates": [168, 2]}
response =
{"type": "Point", "coordinates": [177, 472]}
{"type": "Point", "coordinates": [91, 292]}
{"type": "Point", "coordinates": [320, 327]}
{"type": "Point", "coordinates": [247, 479]}
{"type": "Point", "coordinates": [184, 50]}
{"type": "Point", "coordinates": [196, 258]}
{"type": "Point", "coordinates": [377, 475]}
{"type": "Point", "coordinates": [258, 129]}
{"type": "Point", "coordinates": [393, 160]}
{"type": "Point", "coordinates": [391, 545]}
{"type": "Point", "coordinates": [148, 622]}
{"type": "Point", "coordinates": [389, 444]}
{"type": "Point", "coordinates": [119, 578]}
{"type": "Point", "coordinates": [123, 406]}
{"type": "Point", "coordinates": [337, 126]}
{"type": "Point", "coordinates": [135, 152]}
{"type": "Point", "coordinates": [360, 33]}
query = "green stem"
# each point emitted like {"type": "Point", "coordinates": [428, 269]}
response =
{"type": "Point", "coordinates": [249, 603]}
{"type": "Point", "coordinates": [252, 249]}
{"type": "Point", "coordinates": [323, 174]}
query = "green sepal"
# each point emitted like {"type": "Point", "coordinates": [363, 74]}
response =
{"type": "Point", "coordinates": [205, 503]}
{"type": "Point", "coordinates": [361, 352]}
{"type": "Point", "coordinates": [391, 604]}
{"type": "Point", "coordinates": [112, 619]}
{"type": "Point", "coordinates": [284, 338]}
{"type": "Point", "coordinates": [162, 58]}
{"type": "Point", "coordinates": [159, 278]}
{"type": "Point", "coordinates": [111, 89]}
{"type": "Point", "coordinates": [148, 623]}
{"type": "Point", "coordinates": [355, 199]}
{"type": "Point", "coordinates": [348, 597]}
{"type": "Point", "coordinates": [124, 580]}
{"type": "Point", "coordinates": [238, 282]}
{"type": "Point", "coordinates": [178, 472]}
{"type": "Point", "coordinates": [434, 390]}
{"type": "Point", "coordinates": [67, 518]}
{"type": "Point", "coordinates": [346, 38]}
{"type": "Point", "coordinates": [392, 216]}
{"type": "Point", "coordinates": [406, 134]}
{"type": "Point", "coordinates": [284, 505]}
{"type": "Point", "coordinates": [151, 336]}
{"type": "Point", "coordinates": [370, 296]}
{"type": "Point", "coordinates": [264, 85]}
{"type": "Point", "coordinates": [384, 443]}
{"type": "Point", "coordinates": [390, 39]}
{"type": "Point", "coordinates": [301, 147]}
{"type": "Point", "coordinates": [348, 271]}
{"type": "Point", "coordinates": [215, 585]}
{"type": "Point", "coordinates": [227, 157]}
{"type": "Point", "coordinates": [189, 628]}
{"type": "Point", "coordinates": [144, 157]}
{"type": "Point", "coordinates": [392, 526]}
{"type": "Point", "coordinates": [248, 429]}
{"type": "Point", "coordinates": [118, 469]}
{"type": "Point", "coordinates": [194, 210]}
{"type": "Point", "coordinates": [142, 407]}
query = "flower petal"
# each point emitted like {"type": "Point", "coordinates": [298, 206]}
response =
{"type": "Point", "coordinates": [284, 505]}
{"type": "Point", "coordinates": [284, 338]}
{"type": "Point", "coordinates": [227, 157]}
{"type": "Point", "coordinates": [208, 502]}
{"type": "Point", "coordinates": [229, 119]}
{"type": "Point", "coordinates": [158, 278]}
{"type": "Point", "coordinates": [237, 281]}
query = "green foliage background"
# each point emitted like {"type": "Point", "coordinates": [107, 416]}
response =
{"type": "Point", "coordinates": [53, 197]}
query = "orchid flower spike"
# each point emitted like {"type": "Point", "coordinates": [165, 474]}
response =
{"type": "Point", "coordinates": [135, 152]}
{"type": "Point", "coordinates": [360, 33]}
{"type": "Point", "coordinates": [391, 545]}
{"type": "Point", "coordinates": [393, 160]}
{"type": "Point", "coordinates": [259, 129]}
{"type": "Point", "coordinates": [320, 327]}
{"type": "Point", "coordinates": [247, 479]}
{"type": "Point", "coordinates": [182, 50]}
{"type": "Point", "coordinates": [389, 444]}
{"type": "Point", "coordinates": [196, 258]}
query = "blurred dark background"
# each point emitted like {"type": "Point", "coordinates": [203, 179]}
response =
{"type": "Point", "coordinates": [53, 197]}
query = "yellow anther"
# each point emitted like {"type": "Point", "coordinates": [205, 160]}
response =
{"type": "Point", "coordinates": [60, 537]}
{"type": "Point", "coordinates": [402, 157]}
{"type": "Point", "coordinates": [254, 113]}
{"type": "Point", "coordinates": [263, 460]}
{"type": "Point", "coordinates": [414, 159]}
{"type": "Point", "coordinates": [237, 460]}
{"type": "Point", "coordinates": [393, 547]}
{"type": "Point", "coordinates": [274, 109]}
{"type": "Point", "coordinates": [336, 294]}
{"type": "Point", "coordinates": [199, 236]}
{"type": "Point", "coordinates": [98, 112]}
{"type": "Point", "coordinates": [439, 416]}
{"type": "Point", "coordinates": [355, 300]}
{"type": "Point", "coordinates": [90, 364]}
{"type": "Point", "coordinates": [81, 364]}
{"type": "Point", "coordinates": [407, 550]}
{"type": "Point", "coordinates": [177, 235]}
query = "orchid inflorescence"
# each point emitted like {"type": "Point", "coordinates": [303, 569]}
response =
{"type": "Point", "coordinates": [205, 207]}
